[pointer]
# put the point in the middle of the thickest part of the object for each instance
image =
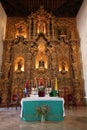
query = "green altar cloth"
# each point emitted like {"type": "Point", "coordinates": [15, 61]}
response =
{"type": "Point", "coordinates": [29, 105]}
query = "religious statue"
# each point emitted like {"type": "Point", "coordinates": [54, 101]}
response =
{"type": "Point", "coordinates": [19, 66]}
{"type": "Point", "coordinates": [63, 67]}
{"type": "Point", "coordinates": [41, 26]}
{"type": "Point", "coordinates": [41, 63]}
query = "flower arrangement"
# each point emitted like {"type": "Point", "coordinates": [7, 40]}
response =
{"type": "Point", "coordinates": [42, 111]}
{"type": "Point", "coordinates": [41, 88]}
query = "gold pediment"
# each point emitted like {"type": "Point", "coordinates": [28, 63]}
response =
{"type": "Point", "coordinates": [41, 12]}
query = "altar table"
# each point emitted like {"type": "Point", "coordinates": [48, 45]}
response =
{"type": "Point", "coordinates": [55, 104]}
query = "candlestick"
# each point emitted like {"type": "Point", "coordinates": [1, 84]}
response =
{"type": "Point", "coordinates": [51, 83]}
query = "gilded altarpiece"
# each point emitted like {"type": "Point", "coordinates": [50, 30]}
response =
{"type": "Point", "coordinates": [42, 48]}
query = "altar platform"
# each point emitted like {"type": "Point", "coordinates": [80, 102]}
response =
{"type": "Point", "coordinates": [55, 104]}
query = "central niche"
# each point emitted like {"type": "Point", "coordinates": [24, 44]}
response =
{"type": "Point", "coordinates": [41, 57]}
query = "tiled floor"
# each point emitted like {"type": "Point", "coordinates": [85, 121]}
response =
{"type": "Point", "coordinates": [75, 119]}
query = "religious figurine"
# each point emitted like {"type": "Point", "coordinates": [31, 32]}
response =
{"type": "Point", "coordinates": [63, 66]}
{"type": "Point", "coordinates": [41, 26]}
{"type": "Point", "coordinates": [19, 66]}
{"type": "Point", "coordinates": [41, 63]}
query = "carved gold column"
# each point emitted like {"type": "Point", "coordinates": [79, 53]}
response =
{"type": "Point", "coordinates": [29, 21]}
{"type": "Point", "coordinates": [48, 28]}
{"type": "Point", "coordinates": [77, 81]}
{"type": "Point", "coordinates": [75, 62]}
{"type": "Point", "coordinates": [34, 28]}
{"type": "Point", "coordinates": [52, 28]}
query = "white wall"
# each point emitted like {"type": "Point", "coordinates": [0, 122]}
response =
{"type": "Point", "coordinates": [3, 20]}
{"type": "Point", "coordinates": [82, 29]}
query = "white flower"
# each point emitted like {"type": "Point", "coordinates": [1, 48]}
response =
{"type": "Point", "coordinates": [41, 88]}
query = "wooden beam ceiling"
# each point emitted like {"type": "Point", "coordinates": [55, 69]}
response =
{"type": "Point", "coordinates": [60, 8]}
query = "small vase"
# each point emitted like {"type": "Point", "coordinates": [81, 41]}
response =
{"type": "Point", "coordinates": [41, 93]}
{"type": "Point", "coordinates": [42, 118]}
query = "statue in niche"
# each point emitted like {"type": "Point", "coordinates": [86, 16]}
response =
{"type": "Point", "coordinates": [41, 26]}
{"type": "Point", "coordinates": [19, 66]}
{"type": "Point", "coordinates": [63, 68]}
{"type": "Point", "coordinates": [19, 30]}
{"type": "Point", "coordinates": [63, 65]}
{"type": "Point", "coordinates": [41, 63]}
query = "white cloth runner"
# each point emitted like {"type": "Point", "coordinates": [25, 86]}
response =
{"type": "Point", "coordinates": [36, 98]}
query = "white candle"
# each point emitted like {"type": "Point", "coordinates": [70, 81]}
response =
{"type": "Point", "coordinates": [36, 83]}
{"type": "Point", "coordinates": [51, 83]}
{"type": "Point", "coordinates": [46, 84]}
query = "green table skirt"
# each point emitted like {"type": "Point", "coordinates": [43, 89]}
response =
{"type": "Point", "coordinates": [29, 110]}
